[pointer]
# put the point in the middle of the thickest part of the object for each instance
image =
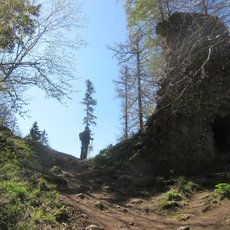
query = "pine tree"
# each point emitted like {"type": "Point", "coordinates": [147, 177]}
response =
{"type": "Point", "coordinates": [35, 133]}
{"type": "Point", "coordinates": [38, 135]}
{"type": "Point", "coordinates": [44, 138]}
{"type": "Point", "coordinates": [89, 103]}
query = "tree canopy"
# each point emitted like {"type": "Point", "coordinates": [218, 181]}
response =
{"type": "Point", "coordinates": [89, 103]}
{"type": "Point", "coordinates": [146, 55]}
{"type": "Point", "coordinates": [36, 49]}
{"type": "Point", "coordinates": [37, 135]}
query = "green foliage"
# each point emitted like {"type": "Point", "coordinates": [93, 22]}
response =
{"type": "Point", "coordinates": [25, 63]}
{"type": "Point", "coordinates": [18, 18]}
{"type": "Point", "coordinates": [89, 103]}
{"type": "Point", "coordinates": [99, 205]}
{"type": "Point", "coordinates": [9, 170]}
{"type": "Point", "coordinates": [38, 135]}
{"type": "Point", "coordinates": [14, 190]}
{"type": "Point", "coordinates": [176, 196]}
{"type": "Point", "coordinates": [35, 133]}
{"type": "Point", "coordinates": [27, 201]}
{"type": "Point", "coordinates": [187, 187]}
{"type": "Point", "coordinates": [171, 200]}
{"type": "Point", "coordinates": [140, 11]}
{"type": "Point", "coordinates": [100, 159]}
{"type": "Point", "coordinates": [168, 205]}
{"type": "Point", "coordinates": [223, 190]}
{"type": "Point", "coordinates": [56, 170]}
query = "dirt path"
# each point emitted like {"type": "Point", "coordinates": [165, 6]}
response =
{"type": "Point", "coordinates": [82, 195]}
{"type": "Point", "coordinates": [115, 216]}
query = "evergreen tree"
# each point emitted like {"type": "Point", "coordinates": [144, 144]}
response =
{"type": "Point", "coordinates": [89, 103]}
{"type": "Point", "coordinates": [44, 138]}
{"type": "Point", "coordinates": [35, 133]}
{"type": "Point", "coordinates": [38, 135]}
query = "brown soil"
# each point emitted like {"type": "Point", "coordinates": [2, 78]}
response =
{"type": "Point", "coordinates": [116, 210]}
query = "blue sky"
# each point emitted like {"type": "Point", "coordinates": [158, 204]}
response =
{"type": "Point", "coordinates": [106, 26]}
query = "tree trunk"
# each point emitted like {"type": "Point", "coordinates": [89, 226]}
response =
{"type": "Point", "coordinates": [126, 103]}
{"type": "Point", "coordinates": [139, 89]}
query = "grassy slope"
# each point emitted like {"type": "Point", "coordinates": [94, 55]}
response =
{"type": "Point", "coordinates": [28, 200]}
{"type": "Point", "coordinates": [134, 178]}
{"type": "Point", "coordinates": [31, 179]}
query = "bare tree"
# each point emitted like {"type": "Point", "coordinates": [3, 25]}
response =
{"type": "Point", "coordinates": [133, 54]}
{"type": "Point", "coordinates": [197, 39]}
{"type": "Point", "coordinates": [178, 49]}
{"type": "Point", "coordinates": [146, 14]}
{"type": "Point", "coordinates": [123, 88]}
{"type": "Point", "coordinates": [37, 51]}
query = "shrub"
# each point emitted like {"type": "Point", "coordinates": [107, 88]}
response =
{"type": "Point", "coordinates": [15, 190]}
{"type": "Point", "coordinates": [171, 199]}
{"type": "Point", "coordinates": [187, 187]}
{"type": "Point", "coordinates": [174, 195]}
{"type": "Point", "coordinates": [168, 205]}
{"type": "Point", "coordinates": [223, 190]}
{"type": "Point", "coordinates": [99, 205]}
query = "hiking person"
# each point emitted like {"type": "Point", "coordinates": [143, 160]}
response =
{"type": "Point", "coordinates": [85, 139]}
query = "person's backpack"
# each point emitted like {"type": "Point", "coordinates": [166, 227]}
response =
{"type": "Point", "coordinates": [81, 136]}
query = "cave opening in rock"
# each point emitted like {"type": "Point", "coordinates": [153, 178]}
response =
{"type": "Point", "coordinates": [221, 133]}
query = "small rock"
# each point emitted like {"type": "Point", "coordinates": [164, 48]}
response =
{"type": "Point", "coordinates": [93, 227]}
{"type": "Point", "coordinates": [107, 187]}
{"type": "Point", "coordinates": [205, 209]}
{"type": "Point", "coordinates": [84, 216]}
{"type": "Point", "coordinates": [184, 228]}
{"type": "Point", "coordinates": [131, 223]}
{"type": "Point", "coordinates": [81, 196]}
{"type": "Point", "coordinates": [125, 210]}
{"type": "Point", "coordinates": [184, 217]}
{"type": "Point", "coordinates": [138, 201]}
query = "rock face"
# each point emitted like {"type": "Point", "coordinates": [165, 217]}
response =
{"type": "Point", "coordinates": [190, 131]}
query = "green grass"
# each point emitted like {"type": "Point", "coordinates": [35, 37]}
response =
{"type": "Point", "coordinates": [223, 190]}
{"type": "Point", "coordinates": [177, 195]}
{"type": "Point", "coordinates": [28, 200]}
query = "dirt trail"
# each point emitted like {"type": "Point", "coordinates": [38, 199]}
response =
{"type": "Point", "coordinates": [135, 214]}
{"type": "Point", "coordinates": [115, 216]}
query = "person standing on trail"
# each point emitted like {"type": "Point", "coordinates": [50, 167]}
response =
{"type": "Point", "coordinates": [85, 139]}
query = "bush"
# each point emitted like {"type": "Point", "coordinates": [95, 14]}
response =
{"type": "Point", "coordinates": [174, 195]}
{"type": "Point", "coordinates": [99, 205]}
{"type": "Point", "coordinates": [171, 199]}
{"type": "Point", "coordinates": [223, 190]}
{"type": "Point", "coordinates": [188, 188]}
{"type": "Point", "coordinates": [168, 205]}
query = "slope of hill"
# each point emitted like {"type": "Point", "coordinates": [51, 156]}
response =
{"type": "Point", "coordinates": [45, 189]}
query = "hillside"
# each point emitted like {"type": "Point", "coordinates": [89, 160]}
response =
{"type": "Point", "coordinates": [45, 189]}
